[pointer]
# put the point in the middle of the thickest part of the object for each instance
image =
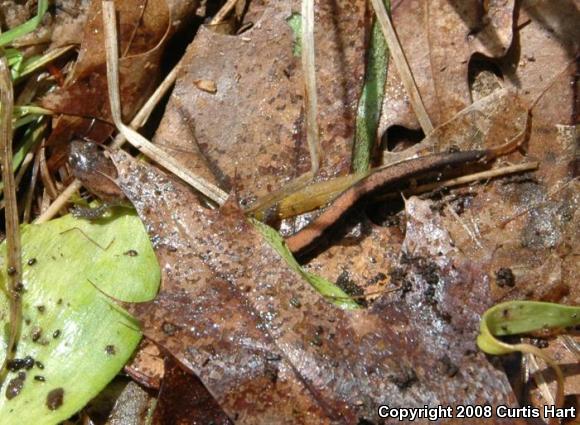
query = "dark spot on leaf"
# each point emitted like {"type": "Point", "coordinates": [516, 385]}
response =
{"type": "Point", "coordinates": [505, 277]}
{"type": "Point", "coordinates": [271, 371]}
{"type": "Point", "coordinates": [15, 386]}
{"type": "Point", "coordinates": [17, 364]}
{"type": "Point", "coordinates": [56, 334]}
{"type": "Point", "coordinates": [41, 308]}
{"type": "Point", "coordinates": [110, 350]}
{"type": "Point", "coordinates": [131, 253]}
{"type": "Point", "coordinates": [448, 367]}
{"type": "Point", "coordinates": [54, 398]}
{"type": "Point", "coordinates": [317, 339]}
{"type": "Point", "coordinates": [39, 365]}
{"type": "Point", "coordinates": [404, 377]}
{"type": "Point", "coordinates": [19, 287]}
{"type": "Point", "coordinates": [169, 328]}
{"type": "Point", "coordinates": [35, 333]}
{"type": "Point", "coordinates": [28, 362]}
{"type": "Point", "coordinates": [39, 378]}
{"type": "Point", "coordinates": [32, 262]}
{"type": "Point", "coordinates": [295, 302]}
{"type": "Point", "coordinates": [348, 285]}
{"type": "Point", "coordinates": [377, 278]}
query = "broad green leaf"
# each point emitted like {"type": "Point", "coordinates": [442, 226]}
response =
{"type": "Point", "coordinates": [327, 289]}
{"type": "Point", "coordinates": [80, 335]}
{"type": "Point", "coordinates": [516, 317]}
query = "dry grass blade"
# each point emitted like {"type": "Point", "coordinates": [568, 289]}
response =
{"type": "Point", "coordinates": [31, 188]}
{"type": "Point", "coordinates": [310, 98]}
{"type": "Point", "coordinates": [483, 175]}
{"type": "Point", "coordinates": [223, 12]}
{"type": "Point", "coordinates": [152, 151]}
{"type": "Point", "coordinates": [402, 65]}
{"type": "Point", "coordinates": [13, 248]}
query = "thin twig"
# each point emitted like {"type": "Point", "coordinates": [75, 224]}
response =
{"type": "Point", "coordinates": [145, 146]}
{"type": "Point", "coordinates": [402, 66]}
{"type": "Point", "coordinates": [13, 248]}
{"type": "Point", "coordinates": [310, 96]}
{"type": "Point", "coordinates": [45, 174]}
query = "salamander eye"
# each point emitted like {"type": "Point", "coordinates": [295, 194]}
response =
{"type": "Point", "coordinates": [82, 154]}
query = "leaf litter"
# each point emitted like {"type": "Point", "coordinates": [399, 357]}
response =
{"type": "Point", "coordinates": [432, 268]}
{"type": "Point", "coordinates": [311, 341]}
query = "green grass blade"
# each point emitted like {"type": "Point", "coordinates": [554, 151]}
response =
{"type": "Point", "coordinates": [327, 289]}
{"type": "Point", "coordinates": [295, 23]}
{"type": "Point", "coordinates": [26, 27]}
{"type": "Point", "coordinates": [370, 102]}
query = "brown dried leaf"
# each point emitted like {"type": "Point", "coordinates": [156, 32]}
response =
{"type": "Point", "coordinates": [252, 128]}
{"type": "Point", "coordinates": [183, 400]}
{"type": "Point", "coordinates": [147, 365]}
{"type": "Point", "coordinates": [439, 37]}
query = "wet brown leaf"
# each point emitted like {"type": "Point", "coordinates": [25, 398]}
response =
{"type": "Point", "coordinates": [265, 344]}
{"type": "Point", "coordinates": [183, 400]}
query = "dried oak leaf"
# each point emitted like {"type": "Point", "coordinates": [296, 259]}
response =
{"type": "Point", "coordinates": [439, 39]}
{"type": "Point", "coordinates": [147, 365]}
{"type": "Point", "coordinates": [269, 348]}
{"type": "Point", "coordinates": [252, 126]}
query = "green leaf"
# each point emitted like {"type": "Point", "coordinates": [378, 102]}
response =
{"type": "Point", "coordinates": [327, 289]}
{"type": "Point", "coordinates": [371, 99]}
{"type": "Point", "coordinates": [81, 336]}
{"type": "Point", "coordinates": [516, 317]}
